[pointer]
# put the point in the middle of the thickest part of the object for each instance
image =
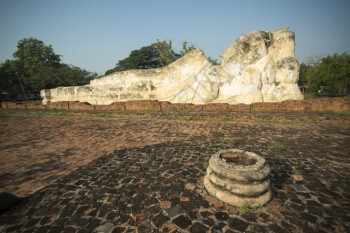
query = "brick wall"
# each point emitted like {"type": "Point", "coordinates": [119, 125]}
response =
{"type": "Point", "coordinates": [323, 104]}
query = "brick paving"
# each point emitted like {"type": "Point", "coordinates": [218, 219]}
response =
{"type": "Point", "coordinates": [133, 175]}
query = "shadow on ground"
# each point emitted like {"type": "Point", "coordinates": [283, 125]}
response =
{"type": "Point", "coordinates": [7, 200]}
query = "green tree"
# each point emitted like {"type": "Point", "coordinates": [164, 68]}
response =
{"type": "Point", "coordinates": [332, 72]}
{"type": "Point", "coordinates": [8, 79]}
{"type": "Point", "coordinates": [186, 48]}
{"type": "Point", "coordinates": [166, 52]}
{"type": "Point", "coordinates": [69, 75]}
{"type": "Point", "coordinates": [32, 67]}
{"type": "Point", "coordinates": [303, 70]}
{"type": "Point", "coordinates": [156, 55]}
{"type": "Point", "coordinates": [36, 66]}
{"type": "Point", "coordinates": [32, 53]}
{"type": "Point", "coordinates": [144, 58]}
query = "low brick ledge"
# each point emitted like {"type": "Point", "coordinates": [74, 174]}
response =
{"type": "Point", "coordinates": [323, 104]}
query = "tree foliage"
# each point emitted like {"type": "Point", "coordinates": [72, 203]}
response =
{"type": "Point", "coordinates": [185, 48]}
{"type": "Point", "coordinates": [303, 70]}
{"type": "Point", "coordinates": [9, 81]}
{"type": "Point", "coordinates": [213, 61]}
{"type": "Point", "coordinates": [331, 72]}
{"type": "Point", "coordinates": [35, 66]}
{"type": "Point", "coordinates": [166, 53]}
{"type": "Point", "coordinates": [155, 55]}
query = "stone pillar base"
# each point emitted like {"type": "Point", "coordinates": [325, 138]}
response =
{"type": "Point", "coordinates": [238, 178]}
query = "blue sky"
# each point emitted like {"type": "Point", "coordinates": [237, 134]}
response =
{"type": "Point", "coordinates": [95, 34]}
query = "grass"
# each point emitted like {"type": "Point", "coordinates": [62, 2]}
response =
{"type": "Point", "coordinates": [13, 112]}
{"type": "Point", "coordinates": [266, 122]}
{"type": "Point", "coordinates": [278, 147]}
{"type": "Point", "coordinates": [232, 143]}
{"type": "Point", "coordinates": [171, 118]}
{"type": "Point", "coordinates": [226, 119]}
{"type": "Point", "coordinates": [342, 123]}
{"type": "Point", "coordinates": [39, 113]}
{"type": "Point", "coordinates": [120, 110]}
{"type": "Point", "coordinates": [192, 118]}
{"type": "Point", "coordinates": [102, 115]}
{"type": "Point", "coordinates": [333, 113]}
{"type": "Point", "coordinates": [149, 110]}
{"type": "Point", "coordinates": [289, 122]}
{"type": "Point", "coordinates": [275, 122]}
{"type": "Point", "coordinates": [212, 144]}
{"type": "Point", "coordinates": [261, 111]}
{"type": "Point", "coordinates": [246, 208]}
{"type": "Point", "coordinates": [62, 113]}
{"type": "Point", "coordinates": [309, 122]}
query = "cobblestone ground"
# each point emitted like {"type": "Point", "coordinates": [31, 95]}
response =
{"type": "Point", "coordinates": [148, 176]}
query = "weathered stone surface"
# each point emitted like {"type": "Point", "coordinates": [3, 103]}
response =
{"type": "Point", "coordinates": [258, 67]}
{"type": "Point", "coordinates": [238, 178]}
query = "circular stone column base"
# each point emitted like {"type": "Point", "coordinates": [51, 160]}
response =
{"type": "Point", "coordinates": [238, 178]}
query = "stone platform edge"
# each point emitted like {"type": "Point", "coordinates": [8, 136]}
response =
{"type": "Point", "coordinates": [338, 104]}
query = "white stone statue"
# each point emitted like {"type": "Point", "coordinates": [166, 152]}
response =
{"type": "Point", "coordinates": [258, 67]}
